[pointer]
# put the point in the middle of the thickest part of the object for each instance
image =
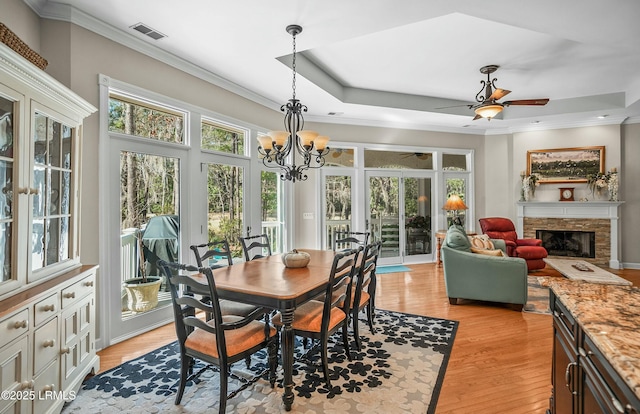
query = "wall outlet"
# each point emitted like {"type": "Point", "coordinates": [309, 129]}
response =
{"type": "Point", "coordinates": [307, 216]}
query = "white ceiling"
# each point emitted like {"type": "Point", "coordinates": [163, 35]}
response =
{"type": "Point", "coordinates": [394, 63]}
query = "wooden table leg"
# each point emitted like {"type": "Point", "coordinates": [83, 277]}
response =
{"type": "Point", "coordinates": [287, 357]}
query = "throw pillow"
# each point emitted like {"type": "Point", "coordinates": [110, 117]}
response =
{"type": "Point", "coordinates": [496, 252]}
{"type": "Point", "coordinates": [481, 241]}
{"type": "Point", "coordinates": [457, 239]}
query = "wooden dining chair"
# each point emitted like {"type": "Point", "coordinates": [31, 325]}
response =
{"type": "Point", "coordinates": [318, 320]}
{"type": "Point", "coordinates": [345, 240]}
{"type": "Point", "coordinates": [255, 247]}
{"type": "Point", "coordinates": [220, 341]}
{"type": "Point", "coordinates": [216, 250]}
{"type": "Point", "coordinates": [219, 251]}
{"type": "Point", "coordinates": [363, 292]}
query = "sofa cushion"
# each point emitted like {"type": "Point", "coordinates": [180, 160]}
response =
{"type": "Point", "coordinates": [457, 239]}
{"type": "Point", "coordinates": [488, 252]}
{"type": "Point", "coordinates": [481, 241]}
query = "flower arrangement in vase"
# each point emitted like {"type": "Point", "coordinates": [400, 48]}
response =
{"type": "Point", "coordinates": [598, 182]}
{"type": "Point", "coordinates": [529, 184]}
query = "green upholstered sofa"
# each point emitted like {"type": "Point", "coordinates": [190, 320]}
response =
{"type": "Point", "coordinates": [477, 276]}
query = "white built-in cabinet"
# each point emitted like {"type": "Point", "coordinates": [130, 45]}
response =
{"type": "Point", "coordinates": [47, 297]}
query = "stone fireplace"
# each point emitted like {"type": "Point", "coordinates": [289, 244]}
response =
{"type": "Point", "coordinates": [558, 218]}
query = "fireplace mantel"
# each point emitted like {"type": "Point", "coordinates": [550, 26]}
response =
{"type": "Point", "coordinates": [576, 210]}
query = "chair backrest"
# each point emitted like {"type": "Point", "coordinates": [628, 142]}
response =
{"type": "Point", "coordinates": [350, 240]}
{"type": "Point", "coordinates": [366, 278]}
{"type": "Point", "coordinates": [218, 250]}
{"type": "Point", "coordinates": [255, 247]}
{"type": "Point", "coordinates": [339, 286]}
{"type": "Point", "coordinates": [185, 297]}
{"type": "Point", "coordinates": [498, 228]}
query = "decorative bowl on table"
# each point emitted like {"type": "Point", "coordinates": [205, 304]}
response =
{"type": "Point", "coordinates": [296, 258]}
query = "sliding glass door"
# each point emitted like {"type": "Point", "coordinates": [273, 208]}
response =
{"type": "Point", "coordinates": [399, 206]}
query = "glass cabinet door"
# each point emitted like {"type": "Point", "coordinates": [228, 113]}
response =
{"type": "Point", "coordinates": [7, 205]}
{"type": "Point", "coordinates": [51, 191]}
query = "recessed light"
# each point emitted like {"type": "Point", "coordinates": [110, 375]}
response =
{"type": "Point", "coordinates": [535, 122]}
{"type": "Point", "coordinates": [335, 113]}
{"type": "Point", "coordinates": [602, 116]}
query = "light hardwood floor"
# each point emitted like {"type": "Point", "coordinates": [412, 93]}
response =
{"type": "Point", "coordinates": [501, 358]}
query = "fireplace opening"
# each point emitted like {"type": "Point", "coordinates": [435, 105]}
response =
{"type": "Point", "coordinates": [568, 243]}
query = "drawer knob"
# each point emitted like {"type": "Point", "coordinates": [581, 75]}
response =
{"type": "Point", "coordinates": [48, 308]}
{"type": "Point", "coordinates": [65, 350]}
{"type": "Point", "coordinates": [21, 324]}
{"type": "Point", "coordinates": [70, 295]}
{"type": "Point", "coordinates": [49, 343]}
{"type": "Point", "coordinates": [49, 387]}
{"type": "Point", "coordinates": [27, 385]}
{"type": "Point", "coordinates": [89, 283]}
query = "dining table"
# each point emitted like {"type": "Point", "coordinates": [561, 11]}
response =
{"type": "Point", "coordinates": [269, 283]}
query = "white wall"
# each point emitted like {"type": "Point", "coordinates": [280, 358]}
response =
{"type": "Point", "coordinates": [630, 193]}
{"type": "Point", "coordinates": [607, 135]}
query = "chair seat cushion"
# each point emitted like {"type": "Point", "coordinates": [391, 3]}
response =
{"type": "Point", "coordinates": [531, 252]}
{"type": "Point", "coordinates": [308, 317]}
{"type": "Point", "coordinates": [238, 340]}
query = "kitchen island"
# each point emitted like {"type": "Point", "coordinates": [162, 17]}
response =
{"type": "Point", "coordinates": [596, 349]}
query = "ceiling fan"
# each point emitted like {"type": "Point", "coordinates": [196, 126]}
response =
{"type": "Point", "coordinates": [488, 107]}
{"type": "Point", "coordinates": [419, 155]}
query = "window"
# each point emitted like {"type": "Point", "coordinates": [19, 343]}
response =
{"type": "Point", "coordinates": [398, 160]}
{"type": "Point", "coordinates": [454, 162]}
{"type": "Point", "coordinates": [339, 157]}
{"type": "Point", "coordinates": [225, 198]}
{"type": "Point", "coordinates": [223, 138]}
{"type": "Point", "coordinates": [143, 119]}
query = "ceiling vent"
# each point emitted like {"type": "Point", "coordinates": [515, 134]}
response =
{"type": "Point", "coordinates": [144, 29]}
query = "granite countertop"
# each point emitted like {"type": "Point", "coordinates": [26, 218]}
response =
{"type": "Point", "coordinates": [610, 316]}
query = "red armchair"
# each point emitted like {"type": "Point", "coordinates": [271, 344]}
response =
{"type": "Point", "coordinates": [529, 249]}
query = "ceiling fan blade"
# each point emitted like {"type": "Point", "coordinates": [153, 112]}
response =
{"type": "Point", "coordinates": [499, 93]}
{"type": "Point", "coordinates": [537, 102]}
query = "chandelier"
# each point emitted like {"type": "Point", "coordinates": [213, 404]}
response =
{"type": "Point", "coordinates": [276, 146]}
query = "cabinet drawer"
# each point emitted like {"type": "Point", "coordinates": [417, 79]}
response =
{"type": "Point", "coordinates": [14, 326]}
{"type": "Point", "coordinates": [44, 385]}
{"type": "Point", "coordinates": [564, 320]}
{"type": "Point", "coordinates": [46, 308]}
{"type": "Point", "coordinates": [612, 392]}
{"type": "Point", "coordinates": [45, 345]}
{"type": "Point", "coordinates": [78, 290]}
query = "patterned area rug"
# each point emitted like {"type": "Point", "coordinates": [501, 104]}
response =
{"type": "Point", "coordinates": [537, 296]}
{"type": "Point", "coordinates": [399, 370]}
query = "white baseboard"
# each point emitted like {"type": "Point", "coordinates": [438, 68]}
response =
{"type": "Point", "coordinates": [631, 265]}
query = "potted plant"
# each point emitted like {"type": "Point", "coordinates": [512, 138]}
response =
{"type": "Point", "coordinates": [142, 291]}
{"type": "Point", "coordinates": [418, 224]}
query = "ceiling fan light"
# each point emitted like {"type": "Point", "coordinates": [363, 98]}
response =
{"type": "Point", "coordinates": [489, 110]}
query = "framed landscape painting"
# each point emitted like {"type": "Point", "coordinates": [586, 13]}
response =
{"type": "Point", "coordinates": [565, 165]}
